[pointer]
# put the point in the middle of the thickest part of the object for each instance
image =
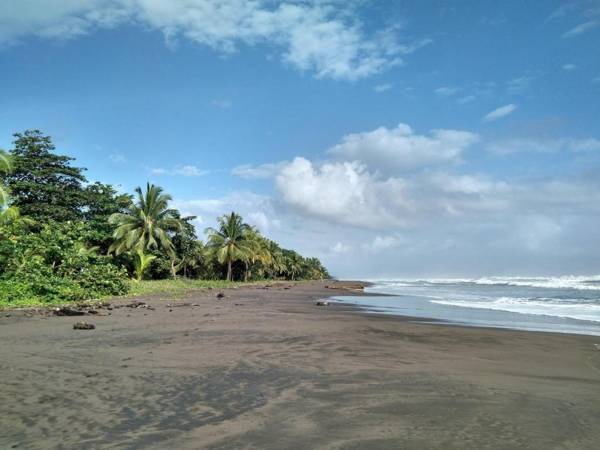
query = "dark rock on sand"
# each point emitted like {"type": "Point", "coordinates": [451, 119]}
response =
{"type": "Point", "coordinates": [65, 311]}
{"type": "Point", "coordinates": [220, 295]}
{"type": "Point", "coordinates": [322, 303]}
{"type": "Point", "coordinates": [84, 326]}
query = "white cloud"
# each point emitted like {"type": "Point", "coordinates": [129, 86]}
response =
{"type": "Point", "coordinates": [520, 84]}
{"type": "Point", "coordinates": [446, 91]}
{"type": "Point", "coordinates": [189, 171]}
{"type": "Point", "coordinates": [380, 243]}
{"type": "Point", "coordinates": [183, 170]}
{"type": "Point", "coordinates": [530, 145]}
{"type": "Point", "coordinates": [117, 158]}
{"type": "Point", "coordinates": [581, 28]}
{"type": "Point", "coordinates": [320, 37]}
{"type": "Point", "coordinates": [342, 192]}
{"type": "Point", "coordinates": [340, 248]}
{"type": "Point", "coordinates": [262, 171]}
{"type": "Point", "coordinates": [500, 112]}
{"type": "Point", "coordinates": [401, 148]}
{"type": "Point", "coordinates": [260, 220]}
{"type": "Point", "coordinates": [382, 87]}
{"type": "Point", "coordinates": [569, 67]}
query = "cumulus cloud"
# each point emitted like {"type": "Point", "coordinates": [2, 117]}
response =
{"type": "Point", "coordinates": [261, 221]}
{"type": "Point", "coordinates": [340, 248]}
{"type": "Point", "coordinates": [343, 192]}
{"type": "Point", "coordinates": [500, 112]}
{"type": "Point", "coordinates": [401, 148]}
{"type": "Point", "coordinates": [316, 36]}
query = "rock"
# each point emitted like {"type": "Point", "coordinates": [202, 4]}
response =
{"type": "Point", "coordinates": [84, 326]}
{"type": "Point", "coordinates": [322, 303]}
{"type": "Point", "coordinates": [220, 295]}
{"type": "Point", "coordinates": [65, 311]}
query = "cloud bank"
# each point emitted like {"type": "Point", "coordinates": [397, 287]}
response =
{"type": "Point", "coordinates": [320, 37]}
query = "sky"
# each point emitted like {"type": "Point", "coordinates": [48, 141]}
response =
{"type": "Point", "coordinates": [394, 139]}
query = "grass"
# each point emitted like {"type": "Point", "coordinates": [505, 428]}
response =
{"type": "Point", "coordinates": [178, 286]}
{"type": "Point", "coordinates": [172, 288]}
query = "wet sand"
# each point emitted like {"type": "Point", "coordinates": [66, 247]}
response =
{"type": "Point", "coordinates": [265, 368]}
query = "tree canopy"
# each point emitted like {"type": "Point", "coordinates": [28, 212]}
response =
{"type": "Point", "coordinates": [75, 240]}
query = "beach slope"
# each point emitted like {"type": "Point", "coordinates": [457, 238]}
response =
{"type": "Point", "coordinates": [264, 367]}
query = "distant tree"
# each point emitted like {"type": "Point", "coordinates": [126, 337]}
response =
{"type": "Point", "coordinates": [5, 168]}
{"type": "Point", "coordinates": [44, 186]}
{"type": "Point", "coordinates": [101, 201]}
{"type": "Point", "coordinates": [230, 241]}
{"type": "Point", "coordinates": [9, 213]}
{"type": "Point", "coordinates": [190, 252]}
{"type": "Point", "coordinates": [147, 224]}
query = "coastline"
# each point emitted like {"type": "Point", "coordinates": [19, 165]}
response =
{"type": "Point", "coordinates": [266, 368]}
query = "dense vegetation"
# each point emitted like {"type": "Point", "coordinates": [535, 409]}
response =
{"type": "Point", "coordinates": [63, 239]}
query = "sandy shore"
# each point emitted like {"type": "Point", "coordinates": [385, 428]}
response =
{"type": "Point", "coordinates": [265, 368]}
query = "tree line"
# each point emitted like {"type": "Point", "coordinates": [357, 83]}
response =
{"type": "Point", "coordinates": [62, 238]}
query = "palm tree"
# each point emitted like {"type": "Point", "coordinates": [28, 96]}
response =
{"type": "Point", "coordinates": [8, 214]}
{"type": "Point", "coordinates": [230, 241]}
{"type": "Point", "coordinates": [145, 226]}
{"type": "Point", "coordinates": [141, 263]}
{"type": "Point", "coordinates": [258, 251]}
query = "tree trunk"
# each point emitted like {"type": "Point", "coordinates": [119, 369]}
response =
{"type": "Point", "coordinates": [229, 270]}
{"type": "Point", "coordinates": [246, 272]}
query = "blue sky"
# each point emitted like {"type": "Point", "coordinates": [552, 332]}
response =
{"type": "Point", "coordinates": [387, 138]}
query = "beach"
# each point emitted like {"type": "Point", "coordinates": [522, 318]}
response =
{"type": "Point", "coordinates": [264, 367]}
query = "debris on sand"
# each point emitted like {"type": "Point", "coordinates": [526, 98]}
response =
{"type": "Point", "coordinates": [84, 326]}
{"type": "Point", "coordinates": [322, 303]}
{"type": "Point", "coordinates": [220, 295]}
{"type": "Point", "coordinates": [135, 305]}
{"type": "Point", "coordinates": [178, 305]}
{"type": "Point", "coordinates": [66, 311]}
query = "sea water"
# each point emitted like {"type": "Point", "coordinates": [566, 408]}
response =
{"type": "Point", "coordinates": [568, 304]}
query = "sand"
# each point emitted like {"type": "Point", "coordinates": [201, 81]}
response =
{"type": "Point", "coordinates": [265, 368]}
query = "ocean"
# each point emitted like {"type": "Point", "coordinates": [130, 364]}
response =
{"type": "Point", "coordinates": [567, 304]}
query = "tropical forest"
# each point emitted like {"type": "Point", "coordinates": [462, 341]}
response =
{"type": "Point", "coordinates": [65, 239]}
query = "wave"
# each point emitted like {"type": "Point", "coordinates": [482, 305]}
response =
{"type": "Point", "coordinates": [591, 283]}
{"type": "Point", "coordinates": [541, 306]}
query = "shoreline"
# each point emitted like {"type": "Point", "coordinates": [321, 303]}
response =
{"type": "Point", "coordinates": [264, 367]}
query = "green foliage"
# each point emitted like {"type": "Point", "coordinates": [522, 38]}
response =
{"type": "Point", "coordinates": [102, 201]}
{"type": "Point", "coordinates": [141, 263]}
{"type": "Point", "coordinates": [230, 241]}
{"type": "Point", "coordinates": [55, 264]}
{"type": "Point", "coordinates": [146, 224]}
{"type": "Point", "coordinates": [62, 240]}
{"type": "Point", "coordinates": [43, 185]}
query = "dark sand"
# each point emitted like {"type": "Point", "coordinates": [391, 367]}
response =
{"type": "Point", "coordinates": [267, 369]}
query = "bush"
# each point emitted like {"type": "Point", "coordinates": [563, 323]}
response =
{"type": "Point", "coordinates": [55, 265]}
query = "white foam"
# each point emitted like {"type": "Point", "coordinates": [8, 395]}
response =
{"type": "Point", "coordinates": [562, 282]}
{"type": "Point", "coordinates": [543, 307]}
